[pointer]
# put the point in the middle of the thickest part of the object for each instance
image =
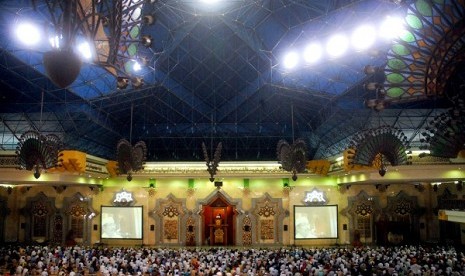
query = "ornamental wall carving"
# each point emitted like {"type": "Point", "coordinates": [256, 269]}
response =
{"type": "Point", "coordinates": [268, 215]}
{"type": "Point", "coordinates": [170, 215]}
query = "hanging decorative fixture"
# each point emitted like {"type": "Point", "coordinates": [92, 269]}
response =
{"type": "Point", "coordinates": [36, 152]}
{"type": "Point", "coordinates": [109, 27]}
{"type": "Point", "coordinates": [378, 147]}
{"type": "Point", "coordinates": [445, 134]}
{"type": "Point", "coordinates": [62, 64]}
{"type": "Point", "coordinates": [212, 164]}
{"type": "Point", "coordinates": [292, 157]}
{"type": "Point", "coordinates": [131, 159]}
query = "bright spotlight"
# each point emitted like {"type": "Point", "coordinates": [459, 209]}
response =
{"type": "Point", "coordinates": [28, 34]}
{"type": "Point", "coordinates": [313, 53]}
{"type": "Point", "coordinates": [290, 60]}
{"type": "Point", "coordinates": [391, 28]}
{"type": "Point", "coordinates": [84, 50]}
{"type": "Point", "coordinates": [363, 37]}
{"type": "Point", "coordinates": [337, 45]}
{"type": "Point", "coordinates": [210, 1]}
{"type": "Point", "coordinates": [54, 42]}
{"type": "Point", "coordinates": [136, 67]}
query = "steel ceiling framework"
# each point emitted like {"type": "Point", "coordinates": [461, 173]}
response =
{"type": "Point", "coordinates": [212, 76]}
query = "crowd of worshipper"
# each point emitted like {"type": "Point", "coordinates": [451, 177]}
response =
{"type": "Point", "coordinates": [76, 260]}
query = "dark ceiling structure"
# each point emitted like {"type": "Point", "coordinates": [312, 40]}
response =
{"type": "Point", "coordinates": [214, 73]}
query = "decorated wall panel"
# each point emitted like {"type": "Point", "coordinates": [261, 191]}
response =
{"type": "Point", "coordinates": [78, 215]}
{"type": "Point", "coordinates": [269, 215]}
{"type": "Point", "coordinates": [39, 214]}
{"type": "Point", "coordinates": [170, 215]}
{"type": "Point", "coordinates": [362, 211]}
{"type": "Point", "coordinates": [191, 230]}
{"type": "Point", "coordinates": [247, 230]}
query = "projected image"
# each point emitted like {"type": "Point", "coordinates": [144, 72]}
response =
{"type": "Point", "coordinates": [121, 222]}
{"type": "Point", "coordinates": [315, 222]}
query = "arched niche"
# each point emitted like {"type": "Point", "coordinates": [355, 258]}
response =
{"type": "Point", "coordinates": [268, 216]}
{"type": "Point", "coordinates": [449, 232]}
{"type": "Point", "coordinates": [39, 215]}
{"type": "Point", "coordinates": [362, 211]}
{"type": "Point", "coordinates": [170, 216]}
{"type": "Point", "coordinates": [400, 220]}
{"type": "Point", "coordinates": [77, 215]}
{"type": "Point", "coordinates": [219, 231]}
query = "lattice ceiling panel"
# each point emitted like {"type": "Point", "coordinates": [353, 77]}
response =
{"type": "Point", "coordinates": [427, 54]}
{"type": "Point", "coordinates": [216, 74]}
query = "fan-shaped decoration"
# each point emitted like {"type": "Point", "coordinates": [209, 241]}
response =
{"type": "Point", "coordinates": [293, 158]}
{"type": "Point", "coordinates": [445, 134]}
{"type": "Point", "coordinates": [428, 52]}
{"type": "Point", "coordinates": [381, 145]}
{"type": "Point", "coordinates": [212, 165]}
{"type": "Point", "coordinates": [130, 159]}
{"type": "Point", "coordinates": [38, 152]}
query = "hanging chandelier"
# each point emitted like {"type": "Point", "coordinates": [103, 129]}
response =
{"type": "Point", "coordinates": [212, 163]}
{"type": "Point", "coordinates": [62, 64]}
{"type": "Point", "coordinates": [293, 158]}
{"type": "Point", "coordinates": [130, 159]}
{"type": "Point", "coordinates": [379, 147]}
{"type": "Point", "coordinates": [109, 28]}
{"type": "Point", "coordinates": [37, 152]}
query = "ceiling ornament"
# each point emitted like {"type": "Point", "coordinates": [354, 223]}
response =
{"type": "Point", "coordinates": [37, 152]}
{"type": "Point", "coordinates": [112, 28]}
{"type": "Point", "coordinates": [445, 134]}
{"type": "Point", "coordinates": [429, 52]}
{"type": "Point", "coordinates": [293, 158]}
{"type": "Point", "coordinates": [62, 66]}
{"type": "Point", "coordinates": [212, 163]}
{"type": "Point", "coordinates": [379, 147]}
{"type": "Point", "coordinates": [131, 159]}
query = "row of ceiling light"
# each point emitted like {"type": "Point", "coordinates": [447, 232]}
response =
{"type": "Point", "coordinates": [362, 38]}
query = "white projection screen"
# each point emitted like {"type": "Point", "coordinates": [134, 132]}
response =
{"type": "Point", "coordinates": [121, 222]}
{"type": "Point", "coordinates": [315, 222]}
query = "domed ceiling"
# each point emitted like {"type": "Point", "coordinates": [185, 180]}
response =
{"type": "Point", "coordinates": [216, 72]}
